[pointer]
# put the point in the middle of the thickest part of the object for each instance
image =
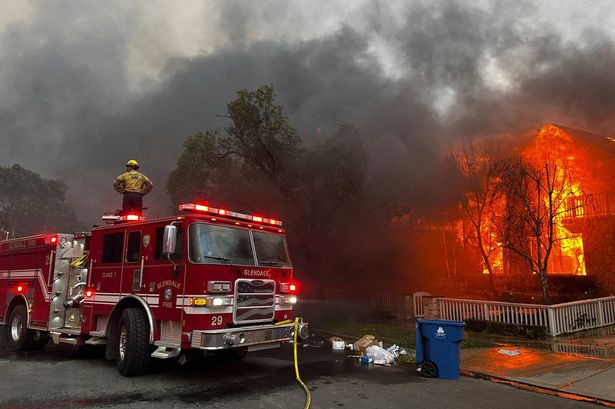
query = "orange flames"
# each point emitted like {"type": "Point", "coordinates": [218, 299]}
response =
{"type": "Point", "coordinates": [567, 256]}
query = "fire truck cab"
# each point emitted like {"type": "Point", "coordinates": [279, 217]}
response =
{"type": "Point", "coordinates": [208, 279]}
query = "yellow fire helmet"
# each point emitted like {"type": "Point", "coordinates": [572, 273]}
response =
{"type": "Point", "coordinates": [132, 163]}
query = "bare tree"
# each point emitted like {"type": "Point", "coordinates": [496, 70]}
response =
{"type": "Point", "coordinates": [481, 193]}
{"type": "Point", "coordinates": [539, 193]}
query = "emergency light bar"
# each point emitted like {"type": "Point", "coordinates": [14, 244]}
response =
{"type": "Point", "coordinates": [192, 207]}
{"type": "Point", "coordinates": [113, 218]}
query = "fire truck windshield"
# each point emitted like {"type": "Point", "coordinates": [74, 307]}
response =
{"type": "Point", "coordinates": [271, 250]}
{"type": "Point", "coordinates": [214, 244]}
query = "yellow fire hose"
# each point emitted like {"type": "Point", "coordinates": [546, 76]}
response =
{"type": "Point", "coordinates": [308, 396]}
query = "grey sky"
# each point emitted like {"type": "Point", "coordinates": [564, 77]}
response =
{"type": "Point", "coordinates": [85, 85]}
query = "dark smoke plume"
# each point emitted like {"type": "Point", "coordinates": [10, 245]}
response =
{"type": "Point", "coordinates": [414, 78]}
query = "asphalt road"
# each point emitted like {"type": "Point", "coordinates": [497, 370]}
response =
{"type": "Point", "coordinates": [61, 378]}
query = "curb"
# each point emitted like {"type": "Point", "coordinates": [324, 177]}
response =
{"type": "Point", "coordinates": [539, 389]}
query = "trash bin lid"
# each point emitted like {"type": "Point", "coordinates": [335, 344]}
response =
{"type": "Point", "coordinates": [442, 322]}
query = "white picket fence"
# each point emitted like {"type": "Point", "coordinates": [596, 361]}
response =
{"type": "Point", "coordinates": [558, 319]}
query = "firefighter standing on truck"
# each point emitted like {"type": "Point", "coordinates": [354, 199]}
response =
{"type": "Point", "coordinates": [133, 185]}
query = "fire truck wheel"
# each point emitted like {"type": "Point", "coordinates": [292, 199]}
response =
{"type": "Point", "coordinates": [133, 354]}
{"type": "Point", "coordinates": [20, 337]}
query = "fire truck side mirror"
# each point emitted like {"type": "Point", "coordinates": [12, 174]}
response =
{"type": "Point", "coordinates": [169, 240]}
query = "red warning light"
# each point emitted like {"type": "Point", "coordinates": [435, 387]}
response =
{"type": "Point", "coordinates": [221, 212]}
{"type": "Point", "coordinates": [257, 219]}
{"type": "Point", "coordinates": [291, 288]}
{"type": "Point", "coordinates": [20, 288]}
{"type": "Point", "coordinates": [89, 293]}
{"type": "Point", "coordinates": [51, 240]}
{"type": "Point", "coordinates": [132, 217]}
{"type": "Point", "coordinates": [201, 208]}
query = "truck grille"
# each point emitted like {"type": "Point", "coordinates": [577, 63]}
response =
{"type": "Point", "coordinates": [254, 301]}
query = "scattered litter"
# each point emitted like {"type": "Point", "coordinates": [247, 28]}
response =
{"type": "Point", "coordinates": [365, 342]}
{"type": "Point", "coordinates": [393, 350]}
{"type": "Point", "coordinates": [509, 352]}
{"type": "Point", "coordinates": [349, 347]}
{"type": "Point", "coordinates": [366, 360]}
{"type": "Point", "coordinates": [380, 355]}
{"type": "Point", "coordinates": [337, 343]}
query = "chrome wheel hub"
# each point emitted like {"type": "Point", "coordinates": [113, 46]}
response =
{"type": "Point", "coordinates": [122, 343]}
{"type": "Point", "coordinates": [16, 328]}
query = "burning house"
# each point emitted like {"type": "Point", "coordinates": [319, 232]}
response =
{"type": "Point", "coordinates": [554, 217]}
{"type": "Point", "coordinates": [585, 225]}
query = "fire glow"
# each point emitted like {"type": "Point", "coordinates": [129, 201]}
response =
{"type": "Point", "coordinates": [567, 256]}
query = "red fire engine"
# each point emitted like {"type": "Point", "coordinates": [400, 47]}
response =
{"type": "Point", "coordinates": [208, 279]}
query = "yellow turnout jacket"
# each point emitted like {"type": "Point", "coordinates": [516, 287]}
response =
{"type": "Point", "coordinates": [133, 181]}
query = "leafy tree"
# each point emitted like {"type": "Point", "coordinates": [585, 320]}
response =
{"type": "Point", "coordinates": [30, 204]}
{"type": "Point", "coordinates": [200, 168]}
{"type": "Point", "coordinates": [259, 163]}
{"type": "Point", "coordinates": [263, 138]}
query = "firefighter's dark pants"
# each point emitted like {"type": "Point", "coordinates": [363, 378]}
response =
{"type": "Point", "coordinates": [133, 203]}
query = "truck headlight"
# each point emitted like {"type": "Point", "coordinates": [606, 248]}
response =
{"type": "Point", "coordinates": [214, 301]}
{"type": "Point", "coordinates": [288, 299]}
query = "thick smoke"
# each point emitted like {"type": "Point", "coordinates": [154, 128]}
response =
{"type": "Point", "coordinates": [414, 77]}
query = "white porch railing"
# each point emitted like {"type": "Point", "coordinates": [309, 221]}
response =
{"type": "Point", "coordinates": [558, 319]}
{"type": "Point", "coordinates": [581, 315]}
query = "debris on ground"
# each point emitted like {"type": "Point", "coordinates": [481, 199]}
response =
{"type": "Point", "coordinates": [337, 343]}
{"type": "Point", "coordinates": [365, 342]}
{"type": "Point", "coordinates": [509, 352]}
{"type": "Point", "coordinates": [366, 360]}
{"type": "Point", "coordinates": [380, 355]}
{"type": "Point", "coordinates": [394, 350]}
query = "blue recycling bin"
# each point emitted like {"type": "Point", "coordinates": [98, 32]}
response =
{"type": "Point", "coordinates": [437, 348]}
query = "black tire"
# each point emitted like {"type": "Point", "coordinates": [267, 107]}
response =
{"type": "Point", "coordinates": [19, 336]}
{"type": "Point", "coordinates": [429, 369]}
{"type": "Point", "coordinates": [133, 349]}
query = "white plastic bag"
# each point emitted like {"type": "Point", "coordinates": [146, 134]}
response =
{"type": "Point", "coordinates": [510, 352]}
{"type": "Point", "coordinates": [380, 355]}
